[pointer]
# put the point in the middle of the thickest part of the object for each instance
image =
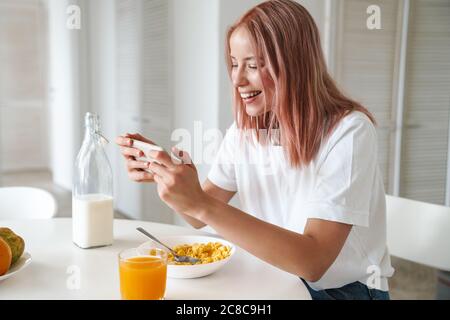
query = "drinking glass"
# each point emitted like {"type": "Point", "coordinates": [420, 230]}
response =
{"type": "Point", "coordinates": [143, 275]}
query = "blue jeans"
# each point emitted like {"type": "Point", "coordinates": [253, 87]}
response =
{"type": "Point", "coordinates": [352, 291]}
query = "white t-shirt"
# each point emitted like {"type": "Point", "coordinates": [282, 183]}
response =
{"type": "Point", "coordinates": [343, 184]}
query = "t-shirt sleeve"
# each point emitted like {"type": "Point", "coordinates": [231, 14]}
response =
{"type": "Point", "coordinates": [345, 177]}
{"type": "Point", "coordinates": [222, 172]}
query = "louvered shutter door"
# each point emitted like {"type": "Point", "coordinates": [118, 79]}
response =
{"type": "Point", "coordinates": [364, 66]}
{"type": "Point", "coordinates": [128, 56]}
{"type": "Point", "coordinates": [427, 102]}
{"type": "Point", "coordinates": [23, 110]}
{"type": "Point", "coordinates": [145, 105]}
{"type": "Point", "coordinates": [157, 105]}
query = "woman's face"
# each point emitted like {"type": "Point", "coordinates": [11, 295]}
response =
{"type": "Point", "coordinates": [246, 78]}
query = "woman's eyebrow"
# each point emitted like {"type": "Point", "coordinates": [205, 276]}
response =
{"type": "Point", "coordinates": [245, 59]}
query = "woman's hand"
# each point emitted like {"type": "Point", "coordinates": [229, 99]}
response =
{"type": "Point", "coordinates": [178, 184]}
{"type": "Point", "coordinates": [135, 168]}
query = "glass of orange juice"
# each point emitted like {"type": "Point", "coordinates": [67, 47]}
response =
{"type": "Point", "coordinates": [143, 275]}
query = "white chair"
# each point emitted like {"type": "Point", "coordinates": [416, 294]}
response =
{"type": "Point", "coordinates": [26, 203]}
{"type": "Point", "coordinates": [418, 232]}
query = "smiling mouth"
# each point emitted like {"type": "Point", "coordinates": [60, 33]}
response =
{"type": "Point", "coordinates": [250, 95]}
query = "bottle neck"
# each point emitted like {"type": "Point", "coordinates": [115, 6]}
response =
{"type": "Point", "coordinates": [92, 133]}
{"type": "Point", "coordinates": [92, 128]}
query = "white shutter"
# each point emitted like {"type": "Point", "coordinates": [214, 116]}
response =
{"type": "Point", "coordinates": [23, 110]}
{"type": "Point", "coordinates": [128, 55]}
{"type": "Point", "coordinates": [145, 104]}
{"type": "Point", "coordinates": [427, 102]}
{"type": "Point", "coordinates": [128, 194]}
{"type": "Point", "coordinates": [364, 66]}
{"type": "Point", "coordinates": [157, 106]}
{"type": "Point", "coordinates": [143, 62]}
{"type": "Point", "coordinates": [367, 66]}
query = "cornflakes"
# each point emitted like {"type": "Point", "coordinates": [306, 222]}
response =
{"type": "Point", "coordinates": [207, 253]}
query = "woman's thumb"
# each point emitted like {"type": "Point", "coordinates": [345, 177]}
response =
{"type": "Point", "coordinates": [182, 155]}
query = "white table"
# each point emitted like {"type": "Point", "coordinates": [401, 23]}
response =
{"type": "Point", "coordinates": [56, 261]}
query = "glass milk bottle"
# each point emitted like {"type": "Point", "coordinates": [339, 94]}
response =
{"type": "Point", "coordinates": [92, 196]}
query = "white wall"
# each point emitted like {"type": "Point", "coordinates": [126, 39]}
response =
{"type": "Point", "coordinates": [102, 75]}
{"type": "Point", "coordinates": [195, 69]}
{"type": "Point", "coordinates": [64, 102]}
{"type": "Point", "coordinates": [81, 79]}
{"type": "Point", "coordinates": [196, 66]}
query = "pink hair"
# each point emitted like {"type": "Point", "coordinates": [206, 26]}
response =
{"type": "Point", "coordinates": [307, 103]}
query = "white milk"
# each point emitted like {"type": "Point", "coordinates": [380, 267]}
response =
{"type": "Point", "coordinates": [92, 220]}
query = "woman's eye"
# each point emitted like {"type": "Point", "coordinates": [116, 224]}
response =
{"type": "Point", "coordinates": [250, 66]}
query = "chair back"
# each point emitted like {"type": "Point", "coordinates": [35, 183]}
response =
{"type": "Point", "coordinates": [418, 231]}
{"type": "Point", "coordinates": [26, 203]}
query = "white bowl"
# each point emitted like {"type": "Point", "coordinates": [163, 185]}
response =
{"type": "Point", "coordinates": [21, 264]}
{"type": "Point", "coordinates": [191, 271]}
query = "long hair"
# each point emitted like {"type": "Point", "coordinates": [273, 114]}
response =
{"type": "Point", "coordinates": [307, 103]}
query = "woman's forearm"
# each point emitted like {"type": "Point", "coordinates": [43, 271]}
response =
{"type": "Point", "coordinates": [292, 252]}
{"type": "Point", "coordinates": [197, 224]}
{"type": "Point", "coordinates": [215, 192]}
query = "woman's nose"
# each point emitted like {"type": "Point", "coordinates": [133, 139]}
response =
{"type": "Point", "coordinates": [239, 78]}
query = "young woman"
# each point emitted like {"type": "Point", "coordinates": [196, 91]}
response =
{"type": "Point", "coordinates": [312, 196]}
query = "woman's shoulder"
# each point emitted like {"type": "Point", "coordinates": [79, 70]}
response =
{"type": "Point", "coordinates": [355, 121]}
{"type": "Point", "coordinates": [355, 124]}
{"type": "Point", "coordinates": [355, 129]}
{"type": "Point", "coordinates": [357, 118]}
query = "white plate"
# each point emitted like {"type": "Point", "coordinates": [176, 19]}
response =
{"type": "Point", "coordinates": [21, 264]}
{"type": "Point", "coordinates": [192, 271]}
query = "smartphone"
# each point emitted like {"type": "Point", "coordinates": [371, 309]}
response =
{"type": "Point", "coordinates": [146, 148]}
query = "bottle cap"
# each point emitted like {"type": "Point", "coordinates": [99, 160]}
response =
{"type": "Point", "coordinates": [92, 121]}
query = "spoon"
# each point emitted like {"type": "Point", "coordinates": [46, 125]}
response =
{"type": "Point", "coordinates": [177, 257]}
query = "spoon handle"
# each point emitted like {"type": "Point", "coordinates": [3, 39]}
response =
{"type": "Point", "coordinates": [153, 238]}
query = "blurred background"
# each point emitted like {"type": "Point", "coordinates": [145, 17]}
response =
{"type": "Point", "coordinates": [152, 66]}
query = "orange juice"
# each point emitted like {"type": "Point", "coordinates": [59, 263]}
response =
{"type": "Point", "coordinates": [143, 278]}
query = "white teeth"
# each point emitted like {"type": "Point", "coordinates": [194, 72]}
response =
{"type": "Point", "coordinates": [250, 94]}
